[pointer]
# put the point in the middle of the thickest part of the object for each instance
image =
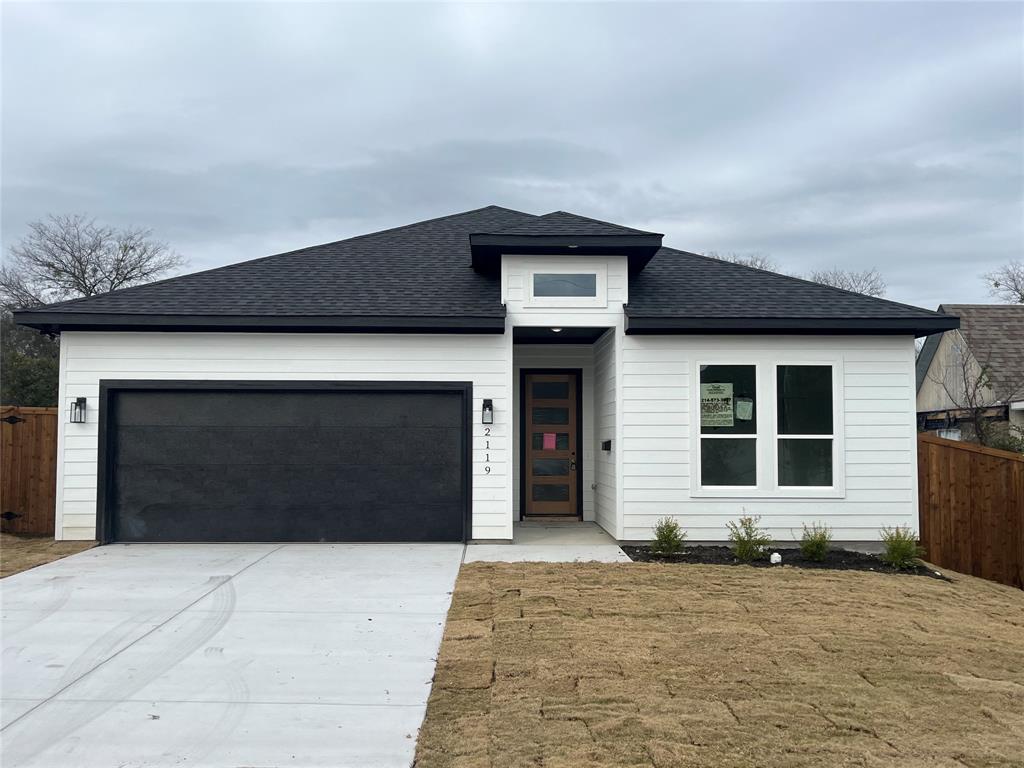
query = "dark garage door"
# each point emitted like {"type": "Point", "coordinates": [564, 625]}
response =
{"type": "Point", "coordinates": [285, 465]}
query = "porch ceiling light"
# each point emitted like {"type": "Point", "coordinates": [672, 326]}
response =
{"type": "Point", "coordinates": [556, 330]}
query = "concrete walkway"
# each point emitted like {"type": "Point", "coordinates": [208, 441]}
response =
{"type": "Point", "coordinates": [571, 542]}
{"type": "Point", "coordinates": [223, 655]}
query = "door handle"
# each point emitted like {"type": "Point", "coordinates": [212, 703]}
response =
{"type": "Point", "coordinates": [572, 465]}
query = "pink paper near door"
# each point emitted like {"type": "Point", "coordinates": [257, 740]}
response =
{"type": "Point", "coordinates": [549, 441]}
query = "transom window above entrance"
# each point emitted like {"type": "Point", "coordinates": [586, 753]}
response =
{"type": "Point", "coordinates": [561, 282]}
{"type": "Point", "coordinates": [575, 285]}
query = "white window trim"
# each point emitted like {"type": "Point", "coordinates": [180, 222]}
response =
{"type": "Point", "coordinates": [767, 432]}
{"type": "Point", "coordinates": [838, 487]}
{"type": "Point", "coordinates": [600, 299]}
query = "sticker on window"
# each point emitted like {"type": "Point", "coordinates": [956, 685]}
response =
{"type": "Point", "coordinates": [716, 405]}
{"type": "Point", "coordinates": [549, 441]}
{"type": "Point", "coordinates": [744, 408]}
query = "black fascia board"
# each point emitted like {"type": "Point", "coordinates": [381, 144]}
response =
{"type": "Point", "coordinates": [487, 249]}
{"type": "Point", "coordinates": [55, 322]}
{"type": "Point", "coordinates": [918, 326]}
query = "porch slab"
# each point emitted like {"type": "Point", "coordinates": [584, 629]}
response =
{"type": "Point", "coordinates": [549, 542]}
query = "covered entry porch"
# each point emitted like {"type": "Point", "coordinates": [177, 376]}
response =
{"type": "Point", "coordinates": [563, 466]}
{"type": "Point", "coordinates": [551, 542]}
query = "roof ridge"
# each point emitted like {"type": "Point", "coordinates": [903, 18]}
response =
{"type": "Point", "coordinates": [247, 262]}
{"type": "Point", "coordinates": [802, 280]}
{"type": "Point", "coordinates": [595, 221]}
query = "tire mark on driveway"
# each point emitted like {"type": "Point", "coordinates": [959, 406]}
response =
{"type": "Point", "coordinates": [31, 733]}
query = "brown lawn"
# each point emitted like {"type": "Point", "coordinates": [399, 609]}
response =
{"type": "Point", "coordinates": [662, 665]}
{"type": "Point", "coordinates": [19, 553]}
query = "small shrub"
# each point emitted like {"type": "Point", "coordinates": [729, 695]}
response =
{"type": "Point", "coordinates": [816, 541]}
{"type": "Point", "coordinates": [668, 537]}
{"type": "Point", "coordinates": [749, 542]}
{"type": "Point", "coordinates": [901, 547]}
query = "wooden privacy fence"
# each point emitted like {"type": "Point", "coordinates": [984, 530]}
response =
{"type": "Point", "coordinates": [28, 469]}
{"type": "Point", "coordinates": [972, 508]}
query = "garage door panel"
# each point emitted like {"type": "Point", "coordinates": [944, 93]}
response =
{"type": "Point", "coordinates": [299, 522]}
{"type": "Point", "coordinates": [318, 446]}
{"type": "Point", "coordinates": [275, 409]}
{"type": "Point", "coordinates": [334, 465]}
{"type": "Point", "coordinates": [239, 487]}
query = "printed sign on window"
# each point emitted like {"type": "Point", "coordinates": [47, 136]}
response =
{"type": "Point", "coordinates": [716, 405]}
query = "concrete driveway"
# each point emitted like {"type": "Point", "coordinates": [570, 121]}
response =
{"type": "Point", "coordinates": [223, 654]}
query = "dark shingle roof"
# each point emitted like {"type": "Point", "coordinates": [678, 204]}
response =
{"type": "Point", "coordinates": [680, 283]}
{"type": "Point", "coordinates": [419, 277]}
{"type": "Point", "coordinates": [419, 269]}
{"type": "Point", "coordinates": [995, 335]}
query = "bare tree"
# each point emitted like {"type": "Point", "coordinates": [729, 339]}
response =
{"type": "Point", "coordinates": [64, 257]}
{"type": "Point", "coordinates": [969, 383]}
{"type": "Point", "coordinates": [754, 259]}
{"type": "Point", "coordinates": [67, 257]}
{"type": "Point", "coordinates": [1006, 283]}
{"type": "Point", "coordinates": [868, 281]}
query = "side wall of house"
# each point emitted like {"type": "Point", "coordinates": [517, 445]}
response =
{"type": "Point", "coordinates": [88, 358]}
{"type": "Point", "coordinates": [605, 414]}
{"type": "Point", "coordinates": [876, 470]}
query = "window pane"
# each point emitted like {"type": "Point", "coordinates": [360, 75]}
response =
{"type": "Point", "coordinates": [565, 285]}
{"type": "Point", "coordinates": [728, 462]}
{"type": "Point", "coordinates": [550, 492]}
{"type": "Point", "coordinates": [550, 390]}
{"type": "Point", "coordinates": [550, 415]}
{"type": "Point", "coordinates": [550, 467]}
{"type": "Point", "coordinates": [727, 399]}
{"type": "Point", "coordinates": [561, 440]}
{"type": "Point", "coordinates": [805, 400]}
{"type": "Point", "coordinates": [805, 462]}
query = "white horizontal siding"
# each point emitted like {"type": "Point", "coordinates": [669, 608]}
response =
{"type": "Point", "coordinates": [88, 358]}
{"type": "Point", "coordinates": [606, 409]}
{"type": "Point", "coordinates": [515, 270]}
{"type": "Point", "coordinates": [877, 422]}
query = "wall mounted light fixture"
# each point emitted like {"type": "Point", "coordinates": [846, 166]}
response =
{"type": "Point", "coordinates": [487, 415]}
{"type": "Point", "coordinates": [78, 411]}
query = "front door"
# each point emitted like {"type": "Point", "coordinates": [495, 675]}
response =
{"type": "Point", "coordinates": [551, 423]}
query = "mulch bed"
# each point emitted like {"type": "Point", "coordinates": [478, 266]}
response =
{"type": "Point", "coordinates": [836, 560]}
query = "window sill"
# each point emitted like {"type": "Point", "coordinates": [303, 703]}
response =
{"type": "Point", "coordinates": [767, 493]}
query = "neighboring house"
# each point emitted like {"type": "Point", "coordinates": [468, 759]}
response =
{"type": "Point", "coordinates": [950, 381]}
{"type": "Point", "coordinates": [440, 380]}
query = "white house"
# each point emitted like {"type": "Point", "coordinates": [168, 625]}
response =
{"type": "Point", "coordinates": [441, 380]}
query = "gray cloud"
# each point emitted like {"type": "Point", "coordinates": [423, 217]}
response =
{"type": "Point", "coordinates": [884, 135]}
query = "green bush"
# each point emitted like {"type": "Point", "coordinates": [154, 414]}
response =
{"type": "Point", "coordinates": [668, 537]}
{"type": "Point", "coordinates": [816, 541]}
{"type": "Point", "coordinates": [901, 547]}
{"type": "Point", "coordinates": [749, 542]}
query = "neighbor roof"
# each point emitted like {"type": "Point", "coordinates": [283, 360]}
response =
{"type": "Point", "coordinates": [994, 333]}
{"type": "Point", "coordinates": [419, 278]}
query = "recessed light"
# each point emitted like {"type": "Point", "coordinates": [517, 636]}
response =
{"type": "Point", "coordinates": [556, 330]}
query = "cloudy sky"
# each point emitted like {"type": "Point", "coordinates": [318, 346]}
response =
{"type": "Point", "coordinates": [850, 135]}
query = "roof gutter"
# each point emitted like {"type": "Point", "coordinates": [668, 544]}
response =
{"type": "Point", "coordinates": [918, 326]}
{"type": "Point", "coordinates": [55, 322]}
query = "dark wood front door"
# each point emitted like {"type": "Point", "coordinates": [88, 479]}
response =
{"type": "Point", "coordinates": [551, 424]}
